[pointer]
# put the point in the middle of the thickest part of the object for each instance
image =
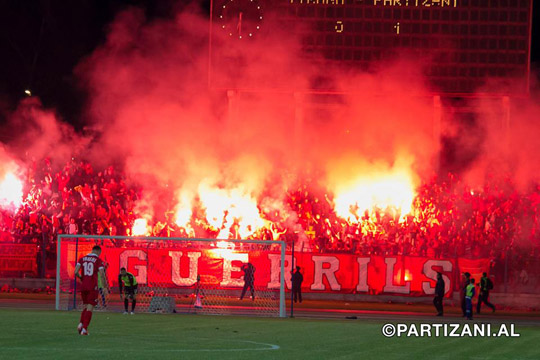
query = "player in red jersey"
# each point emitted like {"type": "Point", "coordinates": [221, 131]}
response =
{"type": "Point", "coordinates": [87, 270]}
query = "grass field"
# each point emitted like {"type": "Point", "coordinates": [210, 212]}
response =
{"type": "Point", "coordinates": [40, 334]}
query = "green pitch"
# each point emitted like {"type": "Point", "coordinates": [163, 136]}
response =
{"type": "Point", "coordinates": [26, 334]}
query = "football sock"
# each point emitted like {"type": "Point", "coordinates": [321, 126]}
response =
{"type": "Point", "coordinates": [87, 319]}
{"type": "Point", "coordinates": [83, 315]}
{"type": "Point", "coordinates": [133, 305]}
{"type": "Point", "coordinates": [126, 302]}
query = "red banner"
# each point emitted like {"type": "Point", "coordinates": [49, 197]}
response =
{"type": "Point", "coordinates": [18, 257]}
{"type": "Point", "coordinates": [474, 267]}
{"type": "Point", "coordinates": [341, 273]}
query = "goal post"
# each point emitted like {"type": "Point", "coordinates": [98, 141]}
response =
{"type": "Point", "coordinates": [184, 275]}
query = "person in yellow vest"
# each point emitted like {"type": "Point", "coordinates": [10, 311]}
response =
{"type": "Point", "coordinates": [103, 287]}
{"type": "Point", "coordinates": [127, 281]}
{"type": "Point", "coordinates": [470, 291]}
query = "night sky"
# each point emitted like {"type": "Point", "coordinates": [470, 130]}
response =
{"type": "Point", "coordinates": [43, 40]}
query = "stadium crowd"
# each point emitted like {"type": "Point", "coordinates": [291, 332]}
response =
{"type": "Point", "coordinates": [449, 219]}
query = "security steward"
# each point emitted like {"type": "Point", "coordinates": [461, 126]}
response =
{"type": "Point", "coordinates": [128, 282]}
{"type": "Point", "coordinates": [483, 297]}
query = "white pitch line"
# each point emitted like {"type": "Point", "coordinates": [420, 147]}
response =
{"type": "Point", "coordinates": [268, 347]}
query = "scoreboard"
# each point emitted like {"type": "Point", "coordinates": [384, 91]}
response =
{"type": "Point", "coordinates": [459, 43]}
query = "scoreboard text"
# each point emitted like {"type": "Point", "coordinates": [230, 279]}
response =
{"type": "Point", "coordinates": [463, 42]}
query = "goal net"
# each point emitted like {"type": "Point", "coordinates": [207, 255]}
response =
{"type": "Point", "coordinates": [200, 276]}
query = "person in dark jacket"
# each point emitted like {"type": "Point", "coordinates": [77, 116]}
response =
{"type": "Point", "coordinates": [439, 294]}
{"type": "Point", "coordinates": [249, 279]}
{"type": "Point", "coordinates": [466, 280]}
{"type": "Point", "coordinates": [297, 279]}
{"type": "Point", "coordinates": [485, 286]}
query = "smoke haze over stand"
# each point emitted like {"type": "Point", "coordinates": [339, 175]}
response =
{"type": "Point", "coordinates": [148, 92]}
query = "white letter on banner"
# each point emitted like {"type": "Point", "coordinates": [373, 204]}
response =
{"type": "Point", "coordinates": [432, 274]}
{"type": "Point", "coordinates": [362, 274]}
{"type": "Point", "coordinates": [389, 286]}
{"type": "Point", "coordinates": [141, 269]}
{"type": "Point", "coordinates": [275, 271]}
{"type": "Point", "coordinates": [228, 268]}
{"type": "Point", "coordinates": [177, 278]}
{"type": "Point", "coordinates": [330, 273]}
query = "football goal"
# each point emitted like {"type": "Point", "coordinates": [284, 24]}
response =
{"type": "Point", "coordinates": [182, 275]}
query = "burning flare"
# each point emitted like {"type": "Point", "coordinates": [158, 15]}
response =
{"type": "Point", "coordinates": [11, 191]}
{"type": "Point", "coordinates": [140, 227]}
{"type": "Point", "coordinates": [231, 211]}
{"type": "Point", "coordinates": [184, 210]}
{"type": "Point", "coordinates": [393, 190]}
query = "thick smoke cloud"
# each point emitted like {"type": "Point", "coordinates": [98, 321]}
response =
{"type": "Point", "coordinates": [149, 93]}
{"type": "Point", "coordinates": [510, 149]}
{"type": "Point", "coordinates": [30, 135]}
{"type": "Point", "coordinates": [34, 133]}
{"type": "Point", "coordinates": [149, 96]}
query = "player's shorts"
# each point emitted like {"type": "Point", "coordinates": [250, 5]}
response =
{"type": "Point", "coordinates": [130, 290]}
{"type": "Point", "coordinates": [90, 297]}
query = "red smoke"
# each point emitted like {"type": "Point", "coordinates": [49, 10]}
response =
{"type": "Point", "coordinates": [149, 92]}
{"type": "Point", "coordinates": [149, 95]}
